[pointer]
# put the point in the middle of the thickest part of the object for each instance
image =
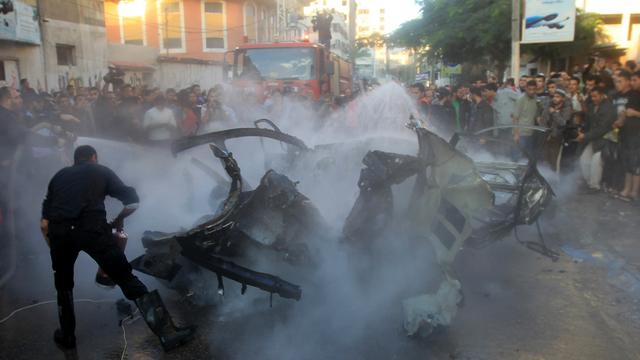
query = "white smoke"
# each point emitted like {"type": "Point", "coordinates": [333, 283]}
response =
{"type": "Point", "coordinates": [353, 294]}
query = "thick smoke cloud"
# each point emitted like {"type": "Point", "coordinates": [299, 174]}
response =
{"type": "Point", "coordinates": [352, 293]}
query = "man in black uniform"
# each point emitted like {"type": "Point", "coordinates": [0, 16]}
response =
{"type": "Point", "coordinates": [74, 220]}
{"type": "Point", "coordinates": [627, 103]}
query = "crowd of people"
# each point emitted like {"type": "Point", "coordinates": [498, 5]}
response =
{"type": "Point", "coordinates": [137, 113]}
{"type": "Point", "coordinates": [48, 123]}
{"type": "Point", "coordinates": [129, 113]}
{"type": "Point", "coordinates": [589, 119]}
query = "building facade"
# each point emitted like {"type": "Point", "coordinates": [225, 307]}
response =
{"type": "Point", "coordinates": [621, 20]}
{"type": "Point", "coordinates": [371, 18]}
{"type": "Point", "coordinates": [177, 43]}
{"type": "Point", "coordinates": [339, 6]}
{"type": "Point", "coordinates": [20, 54]}
{"type": "Point", "coordinates": [340, 34]}
{"type": "Point", "coordinates": [53, 43]}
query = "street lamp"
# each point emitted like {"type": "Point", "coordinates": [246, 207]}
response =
{"type": "Point", "coordinates": [132, 8]}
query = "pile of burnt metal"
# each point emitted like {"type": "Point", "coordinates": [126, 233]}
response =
{"type": "Point", "coordinates": [453, 201]}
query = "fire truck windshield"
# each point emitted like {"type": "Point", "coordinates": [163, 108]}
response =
{"type": "Point", "coordinates": [276, 64]}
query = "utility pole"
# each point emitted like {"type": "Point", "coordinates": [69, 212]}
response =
{"type": "Point", "coordinates": [352, 32]}
{"type": "Point", "coordinates": [387, 58]}
{"type": "Point", "coordinates": [281, 14]}
{"type": "Point", "coordinates": [515, 39]}
{"type": "Point", "coordinates": [166, 31]}
{"type": "Point", "coordinates": [43, 44]}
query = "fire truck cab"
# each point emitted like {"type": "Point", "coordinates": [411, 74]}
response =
{"type": "Point", "coordinates": [307, 69]}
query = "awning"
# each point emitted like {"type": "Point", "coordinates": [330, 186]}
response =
{"type": "Point", "coordinates": [132, 66]}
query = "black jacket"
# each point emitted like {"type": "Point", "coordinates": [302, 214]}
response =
{"type": "Point", "coordinates": [598, 121]}
{"type": "Point", "coordinates": [443, 116]}
{"type": "Point", "coordinates": [482, 116]}
{"type": "Point", "coordinates": [77, 193]}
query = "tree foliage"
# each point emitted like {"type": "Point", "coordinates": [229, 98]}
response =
{"type": "Point", "coordinates": [479, 31]}
{"type": "Point", "coordinates": [409, 35]}
{"type": "Point", "coordinates": [460, 30]}
{"type": "Point", "coordinates": [374, 40]}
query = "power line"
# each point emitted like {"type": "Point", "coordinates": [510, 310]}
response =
{"type": "Point", "coordinates": [182, 29]}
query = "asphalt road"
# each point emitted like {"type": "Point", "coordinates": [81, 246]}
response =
{"type": "Point", "coordinates": [518, 305]}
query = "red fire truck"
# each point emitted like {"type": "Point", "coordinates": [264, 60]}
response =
{"type": "Point", "coordinates": [305, 68]}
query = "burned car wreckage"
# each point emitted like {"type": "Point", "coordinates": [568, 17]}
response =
{"type": "Point", "coordinates": [454, 202]}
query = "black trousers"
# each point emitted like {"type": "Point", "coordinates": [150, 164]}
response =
{"type": "Point", "coordinates": [93, 237]}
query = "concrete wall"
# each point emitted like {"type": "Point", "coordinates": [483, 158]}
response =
{"type": "Point", "coordinates": [89, 12]}
{"type": "Point", "coordinates": [90, 53]}
{"type": "Point", "coordinates": [133, 54]}
{"type": "Point", "coordinates": [29, 58]}
{"type": "Point", "coordinates": [79, 23]}
{"type": "Point", "coordinates": [182, 75]}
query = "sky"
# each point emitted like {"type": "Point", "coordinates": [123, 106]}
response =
{"type": "Point", "coordinates": [401, 11]}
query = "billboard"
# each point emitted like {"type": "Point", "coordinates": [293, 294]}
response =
{"type": "Point", "coordinates": [20, 24]}
{"type": "Point", "coordinates": [548, 21]}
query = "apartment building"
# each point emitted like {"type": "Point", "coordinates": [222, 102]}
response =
{"type": "Point", "coordinates": [371, 18]}
{"type": "Point", "coordinates": [621, 23]}
{"type": "Point", "coordinates": [176, 43]}
{"type": "Point", "coordinates": [53, 43]}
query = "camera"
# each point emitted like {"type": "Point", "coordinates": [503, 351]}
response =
{"type": "Point", "coordinates": [114, 76]}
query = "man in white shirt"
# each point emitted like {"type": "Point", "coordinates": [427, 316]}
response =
{"type": "Point", "coordinates": [577, 101]}
{"type": "Point", "coordinates": [504, 105]}
{"type": "Point", "coordinates": [159, 122]}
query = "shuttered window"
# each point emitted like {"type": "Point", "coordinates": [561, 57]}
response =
{"type": "Point", "coordinates": [214, 24]}
{"type": "Point", "coordinates": [171, 24]}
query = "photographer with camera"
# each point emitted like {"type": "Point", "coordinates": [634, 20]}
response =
{"type": "Point", "coordinates": [114, 77]}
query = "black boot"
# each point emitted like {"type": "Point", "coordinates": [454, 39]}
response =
{"type": "Point", "coordinates": [103, 280]}
{"type": "Point", "coordinates": [157, 317]}
{"type": "Point", "coordinates": [65, 335]}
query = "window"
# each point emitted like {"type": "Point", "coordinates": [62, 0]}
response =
{"type": "Point", "coordinates": [250, 22]}
{"type": "Point", "coordinates": [172, 24]}
{"type": "Point", "coordinates": [381, 11]}
{"type": "Point", "coordinates": [214, 25]}
{"type": "Point", "coordinates": [131, 17]}
{"type": "Point", "coordinates": [132, 30]}
{"type": "Point", "coordinates": [344, 2]}
{"type": "Point", "coordinates": [277, 64]}
{"type": "Point", "coordinates": [363, 11]}
{"type": "Point", "coordinates": [611, 19]}
{"type": "Point", "coordinates": [66, 54]}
